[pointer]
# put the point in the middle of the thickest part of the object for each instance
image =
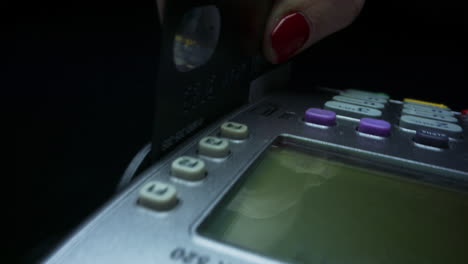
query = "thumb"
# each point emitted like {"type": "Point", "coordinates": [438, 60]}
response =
{"type": "Point", "coordinates": [294, 25]}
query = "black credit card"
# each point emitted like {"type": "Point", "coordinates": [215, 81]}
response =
{"type": "Point", "coordinates": [210, 52]}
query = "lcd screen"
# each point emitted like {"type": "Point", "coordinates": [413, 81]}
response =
{"type": "Point", "coordinates": [310, 207]}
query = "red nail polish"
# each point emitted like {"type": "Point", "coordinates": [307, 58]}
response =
{"type": "Point", "coordinates": [289, 35]}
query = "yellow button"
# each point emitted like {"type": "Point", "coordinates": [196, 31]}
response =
{"type": "Point", "coordinates": [423, 102]}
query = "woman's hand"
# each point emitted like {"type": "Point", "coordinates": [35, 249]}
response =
{"type": "Point", "coordinates": [294, 25]}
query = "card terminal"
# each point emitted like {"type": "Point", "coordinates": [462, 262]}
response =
{"type": "Point", "coordinates": [330, 176]}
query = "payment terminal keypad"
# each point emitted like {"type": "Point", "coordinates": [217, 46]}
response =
{"type": "Point", "coordinates": [427, 126]}
{"type": "Point", "coordinates": [433, 124]}
{"type": "Point", "coordinates": [178, 191]}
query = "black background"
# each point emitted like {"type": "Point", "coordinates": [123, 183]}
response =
{"type": "Point", "coordinates": [80, 78]}
{"type": "Point", "coordinates": [404, 48]}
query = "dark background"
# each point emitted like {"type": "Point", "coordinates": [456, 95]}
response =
{"type": "Point", "coordinates": [404, 48]}
{"type": "Point", "coordinates": [80, 78]}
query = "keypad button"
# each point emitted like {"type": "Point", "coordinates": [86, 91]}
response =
{"type": "Point", "coordinates": [378, 95]}
{"type": "Point", "coordinates": [356, 101]}
{"type": "Point", "coordinates": [431, 138]}
{"type": "Point", "coordinates": [352, 110]}
{"type": "Point", "coordinates": [440, 117]}
{"type": "Point", "coordinates": [158, 196]}
{"type": "Point", "coordinates": [431, 110]}
{"type": "Point", "coordinates": [188, 168]}
{"type": "Point", "coordinates": [365, 97]}
{"type": "Point", "coordinates": [213, 147]}
{"type": "Point", "coordinates": [320, 117]}
{"type": "Point", "coordinates": [415, 123]}
{"type": "Point", "coordinates": [234, 130]}
{"type": "Point", "coordinates": [374, 127]}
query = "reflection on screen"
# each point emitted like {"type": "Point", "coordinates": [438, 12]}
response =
{"type": "Point", "coordinates": [302, 208]}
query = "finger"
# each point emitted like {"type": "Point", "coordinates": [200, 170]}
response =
{"type": "Point", "coordinates": [294, 25]}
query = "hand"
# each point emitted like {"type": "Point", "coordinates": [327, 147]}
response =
{"type": "Point", "coordinates": [294, 25]}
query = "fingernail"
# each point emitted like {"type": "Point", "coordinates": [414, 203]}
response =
{"type": "Point", "coordinates": [289, 35]}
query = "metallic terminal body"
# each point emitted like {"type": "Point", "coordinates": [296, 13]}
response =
{"type": "Point", "coordinates": [126, 232]}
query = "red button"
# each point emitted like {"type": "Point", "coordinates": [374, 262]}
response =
{"type": "Point", "coordinates": [464, 112]}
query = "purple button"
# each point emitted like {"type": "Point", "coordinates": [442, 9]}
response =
{"type": "Point", "coordinates": [320, 116]}
{"type": "Point", "coordinates": [375, 127]}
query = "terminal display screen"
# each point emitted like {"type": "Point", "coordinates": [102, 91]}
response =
{"type": "Point", "coordinates": [305, 207]}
